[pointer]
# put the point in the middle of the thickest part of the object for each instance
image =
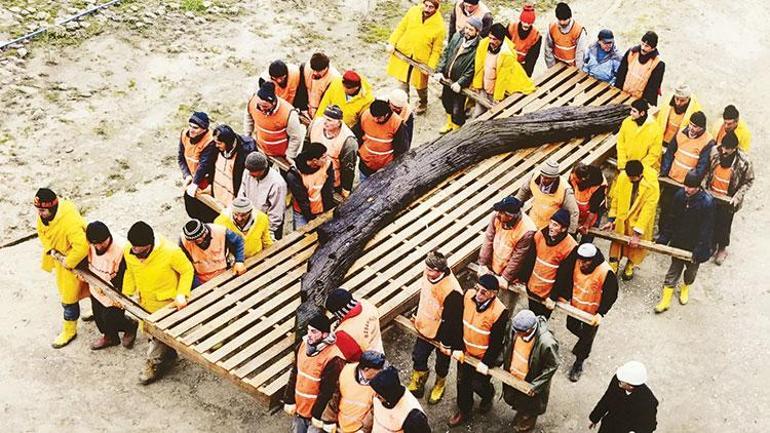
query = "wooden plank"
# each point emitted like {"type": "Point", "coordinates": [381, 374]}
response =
{"type": "Point", "coordinates": [543, 84]}
{"type": "Point", "coordinates": [241, 342]}
{"type": "Point", "coordinates": [265, 356]}
{"type": "Point", "coordinates": [563, 75]}
{"type": "Point", "coordinates": [273, 369]}
{"type": "Point", "coordinates": [648, 245]}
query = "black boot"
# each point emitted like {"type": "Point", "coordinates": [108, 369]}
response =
{"type": "Point", "coordinates": [576, 370]}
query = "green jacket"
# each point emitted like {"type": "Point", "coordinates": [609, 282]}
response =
{"type": "Point", "coordinates": [462, 69]}
{"type": "Point", "coordinates": [542, 366]}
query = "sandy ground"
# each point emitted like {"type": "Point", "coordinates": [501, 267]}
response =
{"type": "Point", "coordinates": [98, 120]}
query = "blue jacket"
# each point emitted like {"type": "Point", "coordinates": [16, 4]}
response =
{"type": "Point", "coordinates": [690, 224]}
{"type": "Point", "coordinates": [703, 159]}
{"type": "Point", "coordinates": [607, 68]}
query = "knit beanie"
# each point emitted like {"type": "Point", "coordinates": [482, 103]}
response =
{"type": "Point", "coordinates": [398, 97]}
{"type": "Point", "coordinates": [194, 229]}
{"type": "Point", "coordinates": [340, 302]}
{"type": "Point", "coordinates": [471, 2]}
{"type": "Point", "coordinates": [561, 216]}
{"type": "Point", "coordinates": [691, 180]}
{"type": "Point", "coordinates": [266, 92]}
{"type": "Point", "coordinates": [730, 113]}
{"type": "Point", "coordinates": [498, 31]}
{"type": "Point", "coordinates": [200, 118]}
{"type": "Point", "coordinates": [97, 232]}
{"type": "Point", "coordinates": [225, 134]}
{"type": "Point", "coordinates": [351, 78]}
{"type": "Point", "coordinates": [489, 282]}
{"type": "Point", "coordinates": [379, 108]}
{"type": "Point", "coordinates": [256, 161]}
{"type": "Point", "coordinates": [45, 198]}
{"type": "Point", "coordinates": [241, 205]}
{"type": "Point", "coordinates": [606, 35]}
{"type": "Point", "coordinates": [563, 11]}
{"type": "Point", "coordinates": [321, 323]}
{"type": "Point", "coordinates": [140, 234]}
{"type": "Point", "coordinates": [388, 386]}
{"type": "Point", "coordinates": [698, 119]}
{"type": "Point", "coordinates": [372, 359]}
{"type": "Point", "coordinates": [509, 204]}
{"type": "Point", "coordinates": [333, 112]}
{"type": "Point", "coordinates": [550, 168]}
{"type": "Point", "coordinates": [476, 23]}
{"type": "Point", "coordinates": [278, 69]}
{"type": "Point", "coordinates": [651, 39]}
{"type": "Point", "coordinates": [528, 14]}
{"type": "Point", "coordinates": [730, 140]}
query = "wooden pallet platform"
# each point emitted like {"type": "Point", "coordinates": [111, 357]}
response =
{"type": "Point", "coordinates": [242, 327]}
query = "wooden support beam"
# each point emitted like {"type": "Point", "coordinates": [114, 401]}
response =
{"type": "Point", "coordinates": [648, 245]}
{"type": "Point", "coordinates": [495, 372]}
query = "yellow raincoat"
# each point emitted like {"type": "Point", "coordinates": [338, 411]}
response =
{"type": "Point", "coordinates": [638, 216]}
{"type": "Point", "coordinates": [163, 275]}
{"type": "Point", "coordinates": [741, 131]}
{"type": "Point", "coordinates": [351, 108]}
{"type": "Point", "coordinates": [642, 143]}
{"type": "Point", "coordinates": [66, 233]}
{"type": "Point", "coordinates": [421, 41]}
{"type": "Point", "coordinates": [511, 77]}
{"type": "Point", "coordinates": [256, 238]}
{"type": "Point", "coordinates": [665, 107]}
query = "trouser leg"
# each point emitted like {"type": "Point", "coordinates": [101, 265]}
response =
{"type": "Point", "coordinates": [119, 322]}
{"type": "Point", "coordinates": [423, 95]}
{"type": "Point", "coordinates": [299, 424]}
{"type": "Point", "coordinates": [690, 272]}
{"type": "Point", "coordinates": [666, 197]}
{"type": "Point", "coordinates": [723, 222]}
{"type": "Point", "coordinates": [158, 352]}
{"type": "Point", "coordinates": [539, 309]}
{"type": "Point", "coordinates": [479, 109]}
{"type": "Point", "coordinates": [458, 109]}
{"type": "Point", "coordinates": [71, 311]}
{"type": "Point", "coordinates": [509, 298]}
{"type": "Point", "coordinates": [482, 385]}
{"type": "Point", "coordinates": [197, 209]}
{"type": "Point", "coordinates": [674, 272]}
{"type": "Point", "coordinates": [465, 374]}
{"type": "Point", "coordinates": [100, 317]}
{"type": "Point", "coordinates": [420, 354]}
{"type": "Point", "coordinates": [442, 364]}
{"type": "Point", "coordinates": [585, 334]}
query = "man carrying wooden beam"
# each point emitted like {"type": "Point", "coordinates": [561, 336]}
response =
{"type": "Point", "coordinates": [690, 226]}
{"type": "Point", "coordinates": [439, 318]}
{"type": "Point", "coordinates": [633, 204]}
{"type": "Point", "coordinates": [484, 321]}
{"type": "Point", "coordinates": [549, 193]}
{"type": "Point", "coordinates": [395, 409]}
{"type": "Point", "coordinates": [350, 408]}
{"type": "Point", "coordinates": [675, 111]}
{"type": "Point", "coordinates": [531, 353]}
{"type": "Point", "coordinates": [311, 182]}
{"type": "Point", "coordinates": [639, 138]}
{"type": "Point", "coordinates": [314, 377]}
{"type": "Point", "coordinates": [251, 224]}
{"type": "Point", "coordinates": [358, 324]}
{"type": "Point", "coordinates": [195, 157]}
{"type": "Point", "coordinates": [61, 228]}
{"type": "Point", "coordinates": [341, 146]}
{"type": "Point", "coordinates": [507, 242]}
{"type": "Point", "coordinates": [590, 188]}
{"type": "Point", "coordinates": [586, 280]}
{"type": "Point", "coordinates": [207, 246]}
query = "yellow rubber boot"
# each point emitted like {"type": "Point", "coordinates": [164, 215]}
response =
{"type": "Point", "coordinates": [437, 393]}
{"type": "Point", "coordinates": [628, 272]}
{"type": "Point", "coordinates": [614, 266]}
{"type": "Point", "coordinates": [665, 300]}
{"type": "Point", "coordinates": [68, 333]}
{"type": "Point", "coordinates": [448, 126]}
{"type": "Point", "coordinates": [417, 383]}
{"type": "Point", "coordinates": [684, 293]}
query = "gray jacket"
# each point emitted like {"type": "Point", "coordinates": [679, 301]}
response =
{"type": "Point", "coordinates": [267, 194]}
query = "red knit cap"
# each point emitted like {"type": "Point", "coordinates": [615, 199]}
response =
{"type": "Point", "coordinates": [527, 14]}
{"type": "Point", "coordinates": [351, 77]}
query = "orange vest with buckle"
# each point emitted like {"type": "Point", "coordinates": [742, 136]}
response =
{"type": "Point", "coordinates": [270, 129]}
{"type": "Point", "coordinates": [314, 183]}
{"type": "Point", "coordinates": [376, 151]}
{"type": "Point", "coordinates": [364, 328]}
{"type": "Point", "coordinates": [720, 179]}
{"type": "Point", "coordinates": [547, 263]}
{"type": "Point", "coordinates": [461, 19]}
{"type": "Point", "coordinates": [392, 420]}
{"type": "Point", "coordinates": [638, 74]}
{"type": "Point", "coordinates": [223, 180]}
{"type": "Point", "coordinates": [583, 198]}
{"type": "Point", "coordinates": [431, 304]}
{"type": "Point", "coordinates": [522, 351]}
{"type": "Point", "coordinates": [355, 400]}
{"type": "Point", "coordinates": [587, 289]}
{"type": "Point", "coordinates": [192, 153]}
{"type": "Point", "coordinates": [106, 267]}
{"type": "Point", "coordinates": [565, 45]}
{"type": "Point", "coordinates": [545, 205]}
{"type": "Point", "coordinates": [505, 241]}
{"type": "Point", "coordinates": [333, 145]}
{"type": "Point", "coordinates": [317, 88]}
{"type": "Point", "coordinates": [687, 154]}
{"type": "Point", "coordinates": [522, 46]}
{"type": "Point", "coordinates": [212, 261]}
{"type": "Point", "coordinates": [309, 371]}
{"type": "Point", "coordinates": [292, 83]}
{"type": "Point", "coordinates": [477, 326]}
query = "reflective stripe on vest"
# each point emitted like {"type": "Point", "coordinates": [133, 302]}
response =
{"type": "Point", "coordinates": [505, 241]}
{"type": "Point", "coordinates": [333, 145]}
{"type": "Point", "coordinates": [309, 370]}
{"type": "Point", "coordinates": [520, 355]}
{"type": "Point", "coordinates": [355, 400]}
{"type": "Point", "coordinates": [314, 183]}
{"type": "Point", "coordinates": [547, 263]}
{"type": "Point", "coordinates": [212, 261]}
{"type": "Point", "coordinates": [478, 325]}
{"type": "Point", "coordinates": [270, 129]}
{"type": "Point", "coordinates": [587, 289]}
{"type": "Point", "coordinates": [565, 45]}
{"type": "Point", "coordinates": [461, 19]}
{"type": "Point", "coordinates": [105, 266]}
{"type": "Point", "coordinates": [431, 306]}
{"type": "Point", "coordinates": [317, 87]}
{"type": "Point", "coordinates": [292, 83]}
{"type": "Point", "coordinates": [545, 205]}
{"type": "Point", "coordinates": [522, 46]}
{"type": "Point", "coordinates": [687, 154]}
{"type": "Point", "coordinates": [392, 420]}
{"type": "Point", "coordinates": [364, 328]}
{"type": "Point", "coordinates": [583, 197]}
{"type": "Point", "coordinates": [192, 152]}
{"type": "Point", "coordinates": [223, 179]}
{"type": "Point", "coordinates": [638, 74]}
{"type": "Point", "coordinates": [720, 179]}
{"type": "Point", "coordinates": [376, 151]}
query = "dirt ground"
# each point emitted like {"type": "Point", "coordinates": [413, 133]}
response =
{"type": "Point", "coordinates": [95, 112]}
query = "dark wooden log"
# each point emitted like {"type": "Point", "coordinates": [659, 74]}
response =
{"type": "Point", "coordinates": [377, 201]}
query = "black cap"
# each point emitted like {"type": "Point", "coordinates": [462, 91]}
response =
{"type": "Point", "coordinates": [651, 39]}
{"type": "Point", "coordinates": [563, 11]}
{"type": "Point", "coordinates": [314, 150]}
{"type": "Point", "coordinates": [97, 232]}
{"type": "Point", "coordinates": [691, 180]}
{"type": "Point", "coordinates": [698, 119]}
{"type": "Point", "coordinates": [201, 119]}
{"type": "Point", "coordinates": [321, 323]}
{"type": "Point", "coordinates": [498, 30]}
{"type": "Point", "coordinates": [266, 92]}
{"type": "Point", "coordinates": [278, 69]}
{"type": "Point", "coordinates": [387, 385]}
{"type": "Point", "coordinates": [509, 204]}
{"type": "Point", "coordinates": [489, 282]}
{"type": "Point", "coordinates": [562, 217]}
{"type": "Point", "coordinates": [140, 234]}
{"type": "Point", "coordinates": [225, 134]}
{"type": "Point", "coordinates": [641, 105]}
{"type": "Point", "coordinates": [380, 108]}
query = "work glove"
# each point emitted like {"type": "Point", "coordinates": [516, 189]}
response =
{"type": "Point", "coordinates": [317, 423]}
{"type": "Point", "coordinates": [239, 268]}
{"type": "Point", "coordinates": [734, 202]}
{"type": "Point", "coordinates": [191, 189]}
{"type": "Point", "coordinates": [596, 319]}
{"type": "Point", "coordinates": [290, 409]}
{"type": "Point", "coordinates": [549, 303]}
{"type": "Point", "coordinates": [482, 368]}
{"type": "Point", "coordinates": [459, 355]}
{"type": "Point", "coordinates": [438, 76]}
{"type": "Point", "coordinates": [456, 87]}
{"type": "Point", "coordinates": [390, 48]}
{"type": "Point", "coordinates": [180, 301]}
{"type": "Point", "coordinates": [187, 180]}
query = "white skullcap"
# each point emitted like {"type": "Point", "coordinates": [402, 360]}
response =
{"type": "Point", "coordinates": [587, 251]}
{"type": "Point", "coordinates": [398, 98]}
{"type": "Point", "coordinates": [633, 373]}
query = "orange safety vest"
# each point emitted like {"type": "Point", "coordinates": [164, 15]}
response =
{"type": "Point", "coordinates": [431, 306]}
{"type": "Point", "coordinates": [376, 151]}
{"type": "Point", "coordinates": [505, 241]}
{"type": "Point", "coordinates": [545, 205]}
{"type": "Point", "coordinates": [223, 179]}
{"type": "Point", "coordinates": [212, 261]}
{"type": "Point", "coordinates": [192, 152]}
{"type": "Point", "coordinates": [106, 267]}
{"type": "Point", "coordinates": [355, 400]}
{"type": "Point", "coordinates": [522, 46]}
{"type": "Point", "coordinates": [461, 19]}
{"type": "Point", "coordinates": [673, 123]}
{"type": "Point", "coordinates": [547, 263]}
{"type": "Point", "coordinates": [583, 197]}
{"type": "Point", "coordinates": [292, 83]}
{"type": "Point", "coordinates": [392, 420]}
{"type": "Point", "coordinates": [587, 289]}
{"type": "Point", "coordinates": [314, 183]}
{"type": "Point", "coordinates": [687, 154]}
{"type": "Point", "coordinates": [520, 355]}
{"type": "Point", "coordinates": [364, 328]}
{"type": "Point", "coordinates": [333, 145]}
{"type": "Point", "coordinates": [309, 371]}
{"type": "Point", "coordinates": [270, 129]}
{"type": "Point", "coordinates": [317, 88]}
{"type": "Point", "coordinates": [638, 74]}
{"type": "Point", "coordinates": [720, 179]}
{"type": "Point", "coordinates": [477, 326]}
{"type": "Point", "coordinates": [565, 45]}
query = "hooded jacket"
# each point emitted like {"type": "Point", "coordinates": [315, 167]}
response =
{"type": "Point", "coordinates": [690, 224]}
{"type": "Point", "coordinates": [605, 69]}
{"type": "Point", "coordinates": [421, 40]}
